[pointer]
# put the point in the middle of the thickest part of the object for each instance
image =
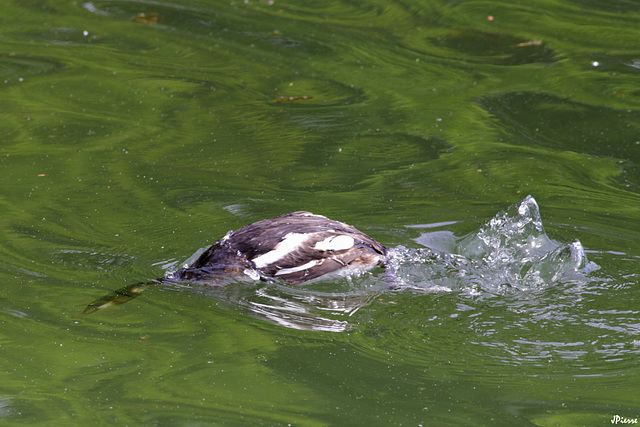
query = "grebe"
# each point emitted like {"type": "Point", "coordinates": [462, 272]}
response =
{"type": "Point", "coordinates": [295, 247]}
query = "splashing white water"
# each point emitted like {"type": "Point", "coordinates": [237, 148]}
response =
{"type": "Point", "coordinates": [512, 250]}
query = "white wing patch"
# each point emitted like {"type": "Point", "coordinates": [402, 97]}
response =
{"type": "Point", "coordinates": [335, 243]}
{"type": "Point", "coordinates": [311, 214]}
{"type": "Point", "coordinates": [306, 266]}
{"type": "Point", "coordinates": [290, 243]}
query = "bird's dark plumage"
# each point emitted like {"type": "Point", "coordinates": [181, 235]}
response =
{"type": "Point", "coordinates": [296, 247]}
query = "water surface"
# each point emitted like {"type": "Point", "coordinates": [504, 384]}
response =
{"type": "Point", "coordinates": [130, 141]}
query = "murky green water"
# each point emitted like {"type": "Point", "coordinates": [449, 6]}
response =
{"type": "Point", "coordinates": [128, 144]}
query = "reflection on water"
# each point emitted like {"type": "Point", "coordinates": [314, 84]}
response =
{"type": "Point", "coordinates": [510, 252]}
{"type": "Point", "coordinates": [297, 308]}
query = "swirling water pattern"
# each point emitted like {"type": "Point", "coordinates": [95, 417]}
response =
{"type": "Point", "coordinates": [128, 140]}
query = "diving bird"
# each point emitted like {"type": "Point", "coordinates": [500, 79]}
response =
{"type": "Point", "coordinates": [295, 247]}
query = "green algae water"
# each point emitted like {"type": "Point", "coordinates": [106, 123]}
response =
{"type": "Point", "coordinates": [133, 133]}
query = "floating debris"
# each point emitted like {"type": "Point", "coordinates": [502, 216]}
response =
{"type": "Point", "coordinates": [147, 18]}
{"type": "Point", "coordinates": [292, 98]}
{"type": "Point", "coordinates": [534, 42]}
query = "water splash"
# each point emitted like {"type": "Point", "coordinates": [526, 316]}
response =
{"type": "Point", "coordinates": [511, 251]}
